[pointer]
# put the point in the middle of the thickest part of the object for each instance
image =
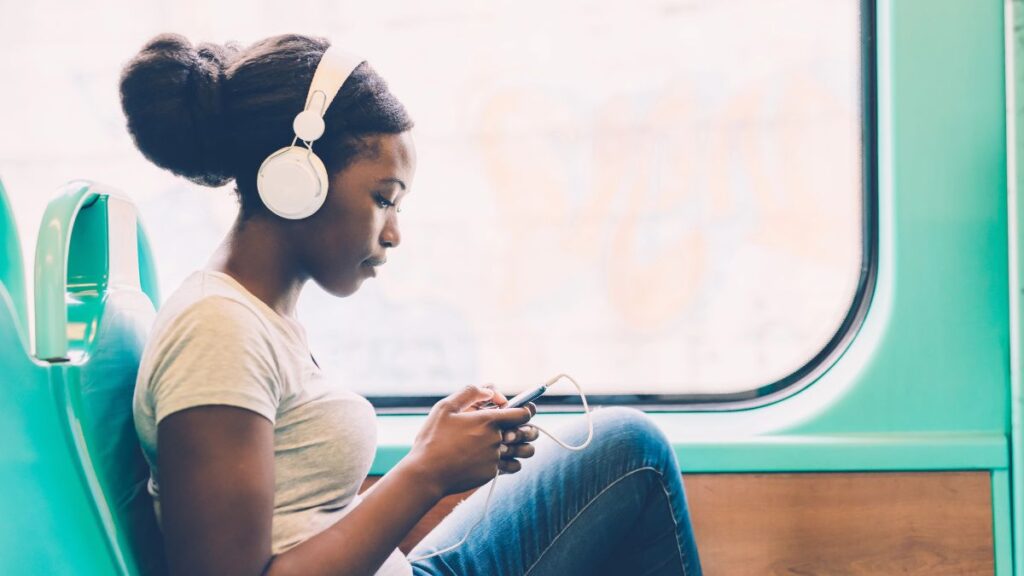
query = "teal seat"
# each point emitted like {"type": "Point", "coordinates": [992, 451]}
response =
{"type": "Point", "coordinates": [12, 269]}
{"type": "Point", "coordinates": [95, 298]}
{"type": "Point", "coordinates": [48, 513]}
{"type": "Point", "coordinates": [50, 525]}
{"type": "Point", "coordinates": [37, 475]}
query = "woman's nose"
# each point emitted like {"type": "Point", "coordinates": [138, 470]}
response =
{"type": "Point", "coordinates": [390, 237]}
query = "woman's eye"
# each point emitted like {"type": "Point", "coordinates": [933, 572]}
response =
{"type": "Point", "coordinates": [383, 202]}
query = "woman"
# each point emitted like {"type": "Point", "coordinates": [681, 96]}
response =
{"type": "Point", "coordinates": [255, 455]}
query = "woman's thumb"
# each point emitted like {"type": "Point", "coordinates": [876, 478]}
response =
{"type": "Point", "coordinates": [466, 397]}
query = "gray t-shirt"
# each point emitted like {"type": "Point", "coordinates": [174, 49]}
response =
{"type": "Point", "coordinates": [215, 343]}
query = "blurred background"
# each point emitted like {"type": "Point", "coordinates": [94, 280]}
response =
{"type": "Point", "coordinates": [658, 197]}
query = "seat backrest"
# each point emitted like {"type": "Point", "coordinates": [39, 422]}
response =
{"type": "Point", "coordinates": [12, 270]}
{"type": "Point", "coordinates": [92, 319]}
{"type": "Point", "coordinates": [49, 523]}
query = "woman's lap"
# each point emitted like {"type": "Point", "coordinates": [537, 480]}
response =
{"type": "Point", "coordinates": [616, 506]}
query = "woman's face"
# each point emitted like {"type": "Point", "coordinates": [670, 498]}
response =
{"type": "Point", "coordinates": [348, 238]}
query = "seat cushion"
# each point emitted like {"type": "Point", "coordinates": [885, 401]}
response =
{"type": "Point", "coordinates": [105, 386]}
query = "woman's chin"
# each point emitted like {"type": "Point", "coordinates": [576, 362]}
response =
{"type": "Point", "coordinates": [343, 288]}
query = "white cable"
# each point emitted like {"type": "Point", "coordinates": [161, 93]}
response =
{"type": "Point", "coordinates": [586, 411]}
{"type": "Point", "coordinates": [487, 505]}
{"type": "Point", "coordinates": [494, 482]}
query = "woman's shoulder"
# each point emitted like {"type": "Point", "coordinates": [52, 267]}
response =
{"type": "Point", "coordinates": [210, 298]}
{"type": "Point", "coordinates": [209, 345]}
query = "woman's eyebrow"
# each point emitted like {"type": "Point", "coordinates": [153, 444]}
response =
{"type": "Point", "coordinates": [392, 181]}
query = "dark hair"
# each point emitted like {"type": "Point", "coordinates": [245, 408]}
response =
{"type": "Point", "coordinates": [213, 113]}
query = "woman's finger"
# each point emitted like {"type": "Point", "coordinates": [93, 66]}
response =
{"type": "Point", "coordinates": [528, 433]}
{"type": "Point", "coordinates": [497, 401]}
{"type": "Point", "coordinates": [509, 466]}
{"type": "Point", "coordinates": [518, 451]}
{"type": "Point", "coordinates": [519, 435]}
{"type": "Point", "coordinates": [466, 398]}
{"type": "Point", "coordinates": [507, 418]}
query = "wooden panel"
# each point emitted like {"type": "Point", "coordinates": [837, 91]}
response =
{"type": "Point", "coordinates": [935, 524]}
{"type": "Point", "coordinates": [837, 524]}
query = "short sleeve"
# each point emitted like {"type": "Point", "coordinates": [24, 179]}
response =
{"type": "Point", "coordinates": [217, 351]}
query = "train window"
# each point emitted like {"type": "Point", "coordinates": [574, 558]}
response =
{"type": "Point", "coordinates": [668, 199]}
{"type": "Point", "coordinates": [664, 199]}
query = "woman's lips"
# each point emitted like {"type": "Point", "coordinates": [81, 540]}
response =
{"type": "Point", "coordinates": [370, 264]}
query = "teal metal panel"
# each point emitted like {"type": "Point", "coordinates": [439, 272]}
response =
{"type": "Point", "coordinates": [1002, 526]}
{"type": "Point", "coordinates": [941, 364]}
{"type": "Point", "coordinates": [795, 453]}
{"type": "Point", "coordinates": [1015, 138]}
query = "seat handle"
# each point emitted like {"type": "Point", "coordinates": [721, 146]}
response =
{"type": "Point", "coordinates": [51, 268]}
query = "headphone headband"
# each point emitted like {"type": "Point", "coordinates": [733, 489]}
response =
{"type": "Point", "coordinates": [335, 66]}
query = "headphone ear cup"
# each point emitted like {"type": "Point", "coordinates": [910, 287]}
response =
{"type": "Point", "coordinates": [293, 182]}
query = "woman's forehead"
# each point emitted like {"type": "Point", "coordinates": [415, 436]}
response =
{"type": "Point", "coordinates": [387, 156]}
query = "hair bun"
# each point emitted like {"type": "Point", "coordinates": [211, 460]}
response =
{"type": "Point", "coordinates": [171, 97]}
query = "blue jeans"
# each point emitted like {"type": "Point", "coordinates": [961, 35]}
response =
{"type": "Point", "coordinates": [617, 507]}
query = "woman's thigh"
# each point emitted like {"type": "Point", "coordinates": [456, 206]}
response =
{"type": "Point", "coordinates": [618, 502]}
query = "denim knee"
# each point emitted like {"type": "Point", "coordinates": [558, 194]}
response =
{"type": "Point", "coordinates": [629, 433]}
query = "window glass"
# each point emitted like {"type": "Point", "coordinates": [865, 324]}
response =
{"type": "Point", "coordinates": [658, 197]}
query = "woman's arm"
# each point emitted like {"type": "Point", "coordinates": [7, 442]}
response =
{"type": "Point", "coordinates": [217, 489]}
{"type": "Point", "coordinates": [216, 480]}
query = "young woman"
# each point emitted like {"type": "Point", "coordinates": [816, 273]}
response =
{"type": "Point", "coordinates": [256, 455]}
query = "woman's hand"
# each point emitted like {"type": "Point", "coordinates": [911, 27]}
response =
{"type": "Point", "coordinates": [462, 446]}
{"type": "Point", "coordinates": [516, 444]}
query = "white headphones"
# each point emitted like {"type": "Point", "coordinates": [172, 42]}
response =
{"type": "Point", "coordinates": [293, 181]}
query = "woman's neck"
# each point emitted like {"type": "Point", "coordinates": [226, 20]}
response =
{"type": "Point", "coordinates": [256, 254]}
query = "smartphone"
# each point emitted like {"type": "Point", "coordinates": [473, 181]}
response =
{"type": "Point", "coordinates": [520, 400]}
